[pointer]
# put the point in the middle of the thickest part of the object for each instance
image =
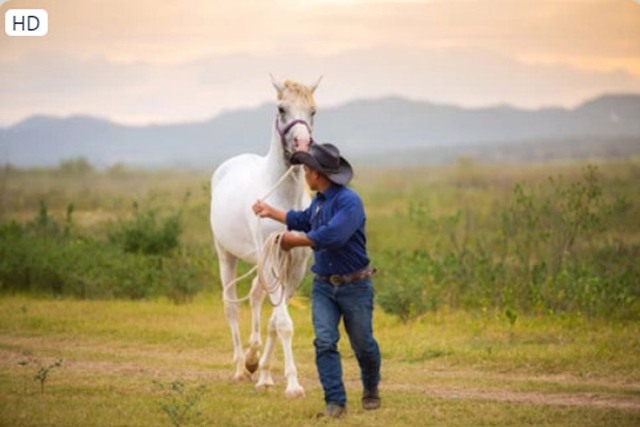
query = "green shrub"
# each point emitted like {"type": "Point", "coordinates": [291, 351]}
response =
{"type": "Point", "coordinates": [181, 279]}
{"type": "Point", "coordinates": [407, 285]}
{"type": "Point", "coordinates": [148, 232]}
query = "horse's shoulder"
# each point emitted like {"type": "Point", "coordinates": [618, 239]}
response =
{"type": "Point", "coordinates": [240, 162]}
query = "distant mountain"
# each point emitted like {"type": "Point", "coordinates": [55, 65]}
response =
{"type": "Point", "coordinates": [366, 130]}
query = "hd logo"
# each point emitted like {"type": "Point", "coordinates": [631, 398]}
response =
{"type": "Point", "coordinates": [26, 22]}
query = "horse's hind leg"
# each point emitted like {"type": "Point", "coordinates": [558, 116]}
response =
{"type": "Point", "coordinates": [228, 264]}
{"type": "Point", "coordinates": [256, 297]}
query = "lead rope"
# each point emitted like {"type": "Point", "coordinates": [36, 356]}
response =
{"type": "Point", "coordinates": [279, 259]}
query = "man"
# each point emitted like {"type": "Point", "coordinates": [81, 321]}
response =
{"type": "Point", "coordinates": [334, 227]}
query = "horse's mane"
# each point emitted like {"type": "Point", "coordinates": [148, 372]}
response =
{"type": "Point", "coordinates": [299, 91]}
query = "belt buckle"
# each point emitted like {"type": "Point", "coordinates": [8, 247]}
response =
{"type": "Point", "coordinates": [335, 279]}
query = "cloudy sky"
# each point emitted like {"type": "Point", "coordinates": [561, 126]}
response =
{"type": "Point", "coordinates": [166, 61]}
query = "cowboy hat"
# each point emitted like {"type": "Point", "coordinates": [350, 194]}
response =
{"type": "Point", "coordinates": [326, 159]}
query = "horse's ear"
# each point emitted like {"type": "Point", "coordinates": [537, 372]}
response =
{"type": "Point", "coordinates": [277, 84]}
{"type": "Point", "coordinates": [315, 86]}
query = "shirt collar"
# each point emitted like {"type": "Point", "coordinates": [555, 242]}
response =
{"type": "Point", "coordinates": [330, 192]}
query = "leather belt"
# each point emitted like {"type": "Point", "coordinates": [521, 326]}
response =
{"type": "Point", "coordinates": [337, 279]}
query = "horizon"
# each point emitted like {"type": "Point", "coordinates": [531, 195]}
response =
{"type": "Point", "coordinates": [268, 103]}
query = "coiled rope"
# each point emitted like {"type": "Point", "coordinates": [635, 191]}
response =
{"type": "Point", "coordinates": [271, 255]}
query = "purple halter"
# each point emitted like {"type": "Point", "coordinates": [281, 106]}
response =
{"type": "Point", "coordinates": [283, 132]}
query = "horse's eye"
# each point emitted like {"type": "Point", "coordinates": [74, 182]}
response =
{"type": "Point", "coordinates": [313, 113]}
{"type": "Point", "coordinates": [281, 110]}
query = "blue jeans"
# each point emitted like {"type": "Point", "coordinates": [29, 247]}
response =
{"type": "Point", "coordinates": [354, 303]}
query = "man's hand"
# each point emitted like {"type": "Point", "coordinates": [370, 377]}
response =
{"type": "Point", "coordinates": [262, 209]}
{"type": "Point", "coordinates": [265, 210]}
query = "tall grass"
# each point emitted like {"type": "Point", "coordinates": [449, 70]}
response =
{"type": "Point", "coordinates": [534, 239]}
{"type": "Point", "coordinates": [139, 259]}
{"type": "Point", "coordinates": [548, 247]}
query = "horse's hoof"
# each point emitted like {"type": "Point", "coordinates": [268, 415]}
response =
{"type": "Point", "coordinates": [295, 393]}
{"type": "Point", "coordinates": [252, 367]}
{"type": "Point", "coordinates": [252, 360]}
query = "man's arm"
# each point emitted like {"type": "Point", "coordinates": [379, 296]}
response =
{"type": "Point", "coordinates": [293, 240]}
{"type": "Point", "coordinates": [289, 240]}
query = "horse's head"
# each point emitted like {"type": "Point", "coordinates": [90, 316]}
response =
{"type": "Point", "coordinates": [294, 122]}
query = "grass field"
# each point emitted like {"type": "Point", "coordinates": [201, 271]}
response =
{"type": "Point", "coordinates": [456, 369]}
{"type": "Point", "coordinates": [472, 331]}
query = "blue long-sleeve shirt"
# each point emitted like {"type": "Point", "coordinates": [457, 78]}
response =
{"type": "Point", "coordinates": [335, 222]}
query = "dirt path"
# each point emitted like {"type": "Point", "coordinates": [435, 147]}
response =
{"type": "Point", "coordinates": [158, 363]}
{"type": "Point", "coordinates": [600, 399]}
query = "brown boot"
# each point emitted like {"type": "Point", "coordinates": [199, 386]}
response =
{"type": "Point", "coordinates": [370, 398]}
{"type": "Point", "coordinates": [333, 411]}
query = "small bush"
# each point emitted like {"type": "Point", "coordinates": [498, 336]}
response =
{"type": "Point", "coordinates": [147, 232]}
{"type": "Point", "coordinates": [409, 287]}
{"type": "Point", "coordinates": [43, 373]}
{"type": "Point", "coordinates": [181, 281]}
{"type": "Point", "coordinates": [180, 402]}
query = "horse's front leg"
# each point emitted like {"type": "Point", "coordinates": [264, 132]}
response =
{"type": "Point", "coordinates": [285, 332]}
{"type": "Point", "coordinates": [264, 379]}
{"type": "Point", "coordinates": [252, 356]}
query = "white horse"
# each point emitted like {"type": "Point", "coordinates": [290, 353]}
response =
{"type": "Point", "coordinates": [235, 186]}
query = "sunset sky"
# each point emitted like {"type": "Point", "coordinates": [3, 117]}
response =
{"type": "Point", "coordinates": [168, 61]}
